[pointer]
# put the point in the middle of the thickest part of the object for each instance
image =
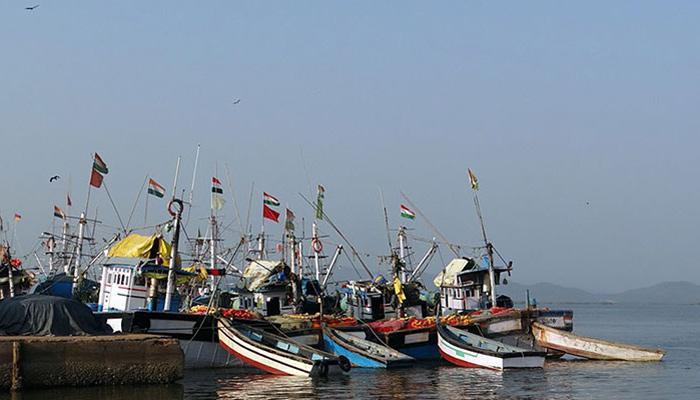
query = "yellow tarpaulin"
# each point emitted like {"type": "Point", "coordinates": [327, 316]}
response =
{"type": "Point", "coordinates": [139, 246]}
{"type": "Point", "coordinates": [200, 270]}
{"type": "Point", "coordinates": [398, 289]}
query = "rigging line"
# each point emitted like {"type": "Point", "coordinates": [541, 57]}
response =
{"type": "Point", "coordinates": [233, 196]}
{"type": "Point", "coordinates": [306, 171]}
{"type": "Point", "coordinates": [138, 196]}
{"type": "Point", "coordinates": [345, 253]}
{"type": "Point", "coordinates": [109, 196]}
{"type": "Point", "coordinates": [194, 177]}
{"type": "Point", "coordinates": [247, 228]}
{"type": "Point", "coordinates": [325, 216]}
{"type": "Point", "coordinates": [435, 230]}
{"type": "Point", "coordinates": [499, 255]}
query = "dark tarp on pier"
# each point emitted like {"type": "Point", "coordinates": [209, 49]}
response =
{"type": "Point", "coordinates": [41, 315]}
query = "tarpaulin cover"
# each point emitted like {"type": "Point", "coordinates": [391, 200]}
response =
{"type": "Point", "coordinates": [448, 275]}
{"type": "Point", "coordinates": [139, 246]}
{"type": "Point", "coordinates": [40, 315]}
{"type": "Point", "coordinates": [258, 271]}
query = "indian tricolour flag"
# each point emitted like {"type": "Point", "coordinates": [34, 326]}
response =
{"type": "Point", "coordinates": [270, 199]}
{"type": "Point", "coordinates": [406, 213]}
{"type": "Point", "coordinates": [155, 188]}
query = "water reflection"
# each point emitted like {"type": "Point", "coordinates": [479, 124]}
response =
{"type": "Point", "coordinates": [150, 392]}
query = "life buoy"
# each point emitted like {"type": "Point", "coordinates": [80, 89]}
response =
{"type": "Point", "coordinates": [317, 246]}
{"type": "Point", "coordinates": [174, 212]}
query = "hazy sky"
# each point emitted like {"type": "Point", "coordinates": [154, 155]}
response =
{"type": "Point", "coordinates": [580, 120]}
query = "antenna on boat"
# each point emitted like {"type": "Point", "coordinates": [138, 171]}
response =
{"type": "Point", "coordinates": [194, 177]}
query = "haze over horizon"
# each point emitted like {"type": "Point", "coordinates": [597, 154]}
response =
{"type": "Point", "coordinates": [579, 120]}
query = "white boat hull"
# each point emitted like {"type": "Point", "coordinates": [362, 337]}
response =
{"type": "Point", "coordinates": [591, 348]}
{"type": "Point", "coordinates": [470, 359]}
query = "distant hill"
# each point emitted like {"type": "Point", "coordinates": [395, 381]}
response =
{"type": "Point", "coordinates": [661, 293]}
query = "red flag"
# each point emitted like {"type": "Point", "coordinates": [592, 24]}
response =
{"type": "Point", "coordinates": [96, 179]}
{"type": "Point", "coordinates": [270, 213]}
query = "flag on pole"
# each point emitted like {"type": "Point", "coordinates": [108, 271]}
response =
{"type": "Point", "coordinates": [289, 220]}
{"type": "Point", "coordinates": [68, 202]}
{"type": "Point", "coordinates": [472, 180]}
{"type": "Point", "coordinates": [270, 200]}
{"type": "Point", "coordinates": [98, 169]}
{"type": "Point", "coordinates": [217, 194]}
{"type": "Point", "coordinates": [406, 213]}
{"type": "Point", "coordinates": [319, 201]}
{"type": "Point", "coordinates": [155, 189]}
{"type": "Point", "coordinates": [17, 217]}
{"type": "Point", "coordinates": [270, 213]}
{"type": "Point", "coordinates": [99, 165]}
{"type": "Point", "coordinates": [57, 212]}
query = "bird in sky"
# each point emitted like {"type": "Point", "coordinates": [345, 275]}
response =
{"type": "Point", "coordinates": [236, 101]}
{"type": "Point", "coordinates": [31, 8]}
{"type": "Point", "coordinates": [54, 178]}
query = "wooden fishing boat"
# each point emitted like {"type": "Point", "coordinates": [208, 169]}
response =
{"type": "Point", "coordinates": [473, 351]}
{"type": "Point", "coordinates": [275, 354]}
{"type": "Point", "coordinates": [363, 353]}
{"type": "Point", "coordinates": [592, 348]}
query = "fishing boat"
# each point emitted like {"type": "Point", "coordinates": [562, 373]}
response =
{"type": "Point", "coordinates": [275, 354]}
{"type": "Point", "coordinates": [592, 348]}
{"type": "Point", "coordinates": [363, 353]}
{"type": "Point", "coordinates": [468, 350]}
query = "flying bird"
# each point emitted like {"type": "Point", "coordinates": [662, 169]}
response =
{"type": "Point", "coordinates": [31, 8]}
{"type": "Point", "coordinates": [236, 101]}
{"type": "Point", "coordinates": [54, 178]}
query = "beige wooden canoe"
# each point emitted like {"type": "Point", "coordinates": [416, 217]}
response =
{"type": "Point", "coordinates": [595, 349]}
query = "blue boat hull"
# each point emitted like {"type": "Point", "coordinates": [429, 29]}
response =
{"type": "Point", "coordinates": [356, 360]}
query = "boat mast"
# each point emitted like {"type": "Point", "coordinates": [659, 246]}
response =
{"type": "Point", "coordinates": [170, 288]}
{"type": "Point", "coordinates": [64, 239]}
{"type": "Point", "coordinates": [79, 249]}
{"type": "Point", "coordinates": [213, 250]}
{"type": "Point", "coordinates": [489, 247]}
{"type": "Point", "coordinates": [402, 251]}
{"type": "Point", "coordinates": [314, 240]}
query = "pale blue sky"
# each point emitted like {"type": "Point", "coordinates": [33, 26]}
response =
{"type": "Point", "coordinates": [552, 104]}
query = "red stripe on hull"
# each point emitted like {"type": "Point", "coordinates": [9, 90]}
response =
{"type": "Point", "coordinates": [249, 361]}
{"type": "Point", "coordinates": [462, 363]}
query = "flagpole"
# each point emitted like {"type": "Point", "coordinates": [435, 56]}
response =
{"type": "Point", "coordinates": [87, 202]}
{"type": "Point", "coordinates": [145, 212]}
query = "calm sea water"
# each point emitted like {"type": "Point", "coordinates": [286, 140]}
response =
{"type": "Point", "coordinates": [673, 328]}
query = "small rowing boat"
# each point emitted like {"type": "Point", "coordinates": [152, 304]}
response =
{"type": "Point", "coordinates": [592, 348]}
{"type": "Point", "coordinates": [363, 353]}
{"type": "Point", "coordinates": [473, 351]}
{"type": "Point", "coordinates": [276, 354]}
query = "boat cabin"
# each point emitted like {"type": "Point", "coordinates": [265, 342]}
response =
{"type": "Point", "coordinates": [125, 287]}
{"type": "Point", "coordinates": [465, 285]}
{"type": "Point", "coordinates": [364, 300]}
